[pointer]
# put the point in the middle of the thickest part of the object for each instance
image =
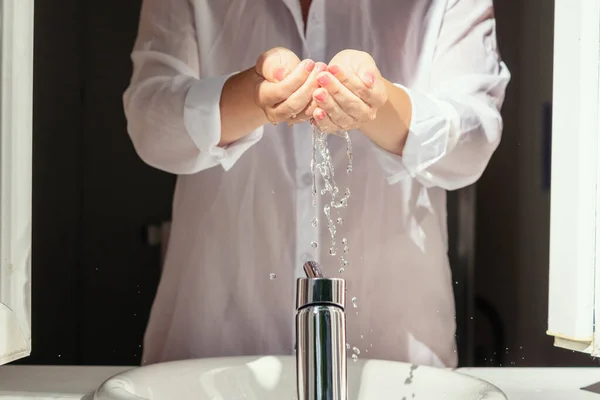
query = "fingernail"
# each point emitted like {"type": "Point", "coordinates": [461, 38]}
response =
{"type": "Point", "coordinates": [368, 78]}
{"type": "Point", "coordinates": [334, 69]}
{"type": "Point", "coordinates": [320, 115]}
{"type": "Point", "coordinates": [323, 80]}
{"type": "Point", "coordinates": [309, 65]}
{"type": "Point", "coordinates": [321, 67]}
{"type": "Point", "coordinates": [321, 96]}
{"type": "Point", "coordinates": [280, 73]}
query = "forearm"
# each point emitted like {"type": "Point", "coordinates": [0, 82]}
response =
{"type": "Point", "coordinates": [239, 113]}
{"type": "Point", "coordinates": [389, 129]}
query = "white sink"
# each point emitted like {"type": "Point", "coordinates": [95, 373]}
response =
{"type": "Point", "coordinates": [274, 378]}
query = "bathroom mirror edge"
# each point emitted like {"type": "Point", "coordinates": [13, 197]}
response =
{"type": "Point", "coordinates": [574, 221]}
{"type": "Point", "coordinates": [16, 94]}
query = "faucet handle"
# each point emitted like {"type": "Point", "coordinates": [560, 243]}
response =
{"type": "Point", "coordinates": [313, 270]}
{"type": "Point", "coordinates": [316, 289]}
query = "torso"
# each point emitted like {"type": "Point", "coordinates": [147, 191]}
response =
{"type": "Point", "coordinates": [262, 207]}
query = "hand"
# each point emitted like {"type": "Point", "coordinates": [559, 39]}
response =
{"type": "Point", "coordinates": [350, 92]}
{"type": "Point", "coordinates": [286, 85]}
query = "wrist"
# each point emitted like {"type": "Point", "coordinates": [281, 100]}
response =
{"type": "Point", "coordinates": [240, 114]}
{"type": "Point", "coordinates": [390, 128]}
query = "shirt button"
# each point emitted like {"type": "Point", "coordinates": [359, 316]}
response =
{"type": "Point", "coordinates": [307, 179]}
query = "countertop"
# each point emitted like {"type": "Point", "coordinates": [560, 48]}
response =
{"type": "Point", "coordinates": [68, 383]}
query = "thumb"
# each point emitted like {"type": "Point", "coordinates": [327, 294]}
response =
{"type": "Point", "coordinates": [365, 68]}
{"type": "Point", "coordinates": [275, 64]}
{"type": "Point", "coordinates": [367, 73]}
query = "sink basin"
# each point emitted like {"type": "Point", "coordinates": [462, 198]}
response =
{"type": "Point", "coordinates": [274, 378]}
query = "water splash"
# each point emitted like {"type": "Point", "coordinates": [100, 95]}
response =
{"type": "Point", "coordinates": [322, 163]}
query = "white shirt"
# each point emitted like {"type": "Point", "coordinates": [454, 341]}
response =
{"type": "Point", "coordinates": [243, 212]}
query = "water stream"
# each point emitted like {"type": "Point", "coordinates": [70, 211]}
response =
{"type": "Point", "coordinates": [321, 165]}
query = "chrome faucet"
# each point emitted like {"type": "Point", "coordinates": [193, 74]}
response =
{"type": "Point", "coordinates": [321, 360]}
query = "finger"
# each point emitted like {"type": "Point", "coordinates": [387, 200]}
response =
{"type": "Point", "coordinates": [308, 112]}
{"type": "Point", "coordinates": [276, 92]}
{"type": "Point", "coordinates": [378, 94]}
{"type": "Point", "coordinates": [323, 121]}
{"type": "Point", "coordinates": [366, 85]}
{"type": "Point", "coordinates": [345, 98]}
{"type": "Point", "coordinates": [350, 80]}
{"type": "Point", "coordinates": [301, 98]}
{"type": "Point", "coordinates": [337, 114]}
{"type": "Point", "coordinates": [305, 114]}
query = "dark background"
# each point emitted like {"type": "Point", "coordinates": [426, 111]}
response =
{"type": "Point", "coordinates": [94, 273]}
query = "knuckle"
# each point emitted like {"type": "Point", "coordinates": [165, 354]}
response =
{"type": "Point", "coordinates": [287, 111]}
{"type": "Point", "coordinates": [364, 92]}
{"type": "Point", "coordinates": [346, 122]}
{"type": "Point", "coordinates": [344, 80]}
{"type": "Point", "coordinates": [354, 107]}
{"type": "Point", "coordinates": [334, 90]}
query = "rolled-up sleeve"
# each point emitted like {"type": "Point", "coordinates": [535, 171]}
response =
{"type": "Point", "coordinates": [456, 123]}
{"type": "Point", "coordinates": [173, 114]}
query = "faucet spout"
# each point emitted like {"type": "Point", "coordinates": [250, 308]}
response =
{"type": "Point", "coordinates": [321, 361]}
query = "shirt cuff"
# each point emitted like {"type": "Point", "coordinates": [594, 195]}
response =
{"type": "Point", "coordinates": [202, 119]}
{"type": "Point", "coordinates": [431, 133]}
{"type": "Point", "coordinates": [427, 141]}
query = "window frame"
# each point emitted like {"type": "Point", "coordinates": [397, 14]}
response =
{"type": "Point", "coordinates": [16, 98]}
{"type": "Point", "coordinates": [575, 191]}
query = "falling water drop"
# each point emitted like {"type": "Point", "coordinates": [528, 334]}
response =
{"type": "Point", "coordinates": [314, 245]}
{"type": "Point", "coordinates": [348, 346]}
{"type": "Point", "coordinates": [354, 357]}
{"type": "Point", "coordinates": [344, 241]}
{"type": "Point", "coordinates": [355, 302]}
{"type": "Point", "coordinates": [356, 350]}
{"type": "Point", "coordinates": [346, 249]}
{"type": "Point", "coordinates": [315, 222]}
{"type": "Point", "coordinates": [341, 270]}
{"type": "Point", "coordinates": [272, 275]}
{"type": "Point", "coordinates": [333, 251]}
{"type": "Point", "coordinates": [340, 221]}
